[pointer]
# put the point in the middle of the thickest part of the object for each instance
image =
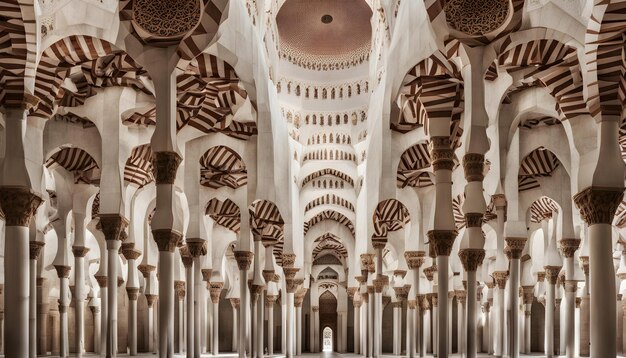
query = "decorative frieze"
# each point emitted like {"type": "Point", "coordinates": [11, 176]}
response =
{"type": "Point", "coordinates": [18, 204]}
{"type": "Point", "coordinates": [597, 205]}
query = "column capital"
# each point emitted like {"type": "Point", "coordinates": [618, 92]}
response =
{"type": "Point", "coordinates": [292, 284]}
{"type": "Point", "coordinates": [94, 309]}
{"type": "Point", "coordinates": [185, 257]}
{"type": "Point", "coordinates": [18, 204]}
{"type": "Point", "coordinates": [442, 240]}
{"type": "Point", "coordinates": [569, 246]}
{"type": "Point", "coordinates": [499, 200]}
{"type": "Point", "coordinates": [399, 273]}
{"type": "Point", "coordinates": [102, 281]}
{"type": "Point", "coordinates": [351, 291]}
{"type": "Point", "coordinates": [288, 260]}
{"type": "Point", "coordinates": [414, 259]}
{"type": "Point", "coordinates": [146, 269]}
{"type": "Point", "coordinates": [112, 226]}
{"type": "Point", "coordinates": [197, 247]}
{"type": "Point", "coordinates": [129, 252]}
{"type": "Point", "coordinates": [206, 274]}
{"type": "Point", "coordinates": [402, 293]}
{"type": "Point", "coordinates": [474, 219]}
{"type": "Point", "coordinates": [528, 294]}
{"type": "Point", "coordinates": [63, 271]}
{"type": "Point", "coordinates": [367, 262]}
{"type": "Point", "coordinates": [179, 289]}
{"type": "Point", "coordinates": [270, 300]}
{"type": "Point", "coordinates": [215, 289]}
{"type": "Point", "coordinates": [315, 308]}
{"type": "Point", "coordinates": [244, 259]}
{"type": "Point", "coordinates": [80, 251]}
{"type": "Point", "coordinates": [268, 275]}
{"type": "Point", "coordinates": [166, 239]}
{"type": "Point", "coordinates": [411, 304]}
{"type": "Point", "coordinates": [433, 298]}
{"type": "Point", "coordinates": [579, 300]}
{"type": "Point", "coordinates": [597, 205]}
{"type": "Point", "coordinates": [429, 272]}
{"type": "Point", "coordinates": [471, 258]}
{"type": "Point", "coordinates": [35, 248]}
{"type": "Point", "coordinates": [461, 296]}
{"type": "Point", "coordinates": [379, 242]}
{"type": "Point", "coordinates": [441, 153]}
{"type": "Point", "coordinates": [473, 166]}
{"type": "Point", "coordinates": [516, 246]}
{"type": "Point", "coordinates": [500, 277]}
{"type": "Point", "coordinates": [299, 297]}
{"type": "Point", "coordinates": [396, 304]}
{"type": "Point", "coordinates": [164, 166]}
{"type": "Point", "coordinates": [584, 262]}
{"type": "Point", "coordinates": [133, 293]}
{"type": "Point", "coordinates": [380, 282]}
{"type": "Point", "coordinates": [552, 273]}
{"type": "Point", "coordinates": [423, 302]}
{"type": "Point", "coordinates": [151, 299]}
{"type": "Point", "coordinates": [541, 276]}
{"type": "Point", "coordinates": [235, 303]}
{"type": "Point", "coordinates": [571, 286]}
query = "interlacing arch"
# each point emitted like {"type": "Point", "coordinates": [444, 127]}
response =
{"type": "Point", "coordinates": [541, 162]}
{"type": "Point", "coordinates": [221, 166]}
{"type": "Point", "coordinates": [76, 161]}
{"type": "Point", "coordinates": [390, 215]}
{"type": "Point", "coordinates": [225, 213]}
{"type": "Point", "coordinates": [413, 167]}
{"type": "Point", "coordinates": [547, 63]}
{"type": "Point", "coordinates": [329, 199]}
{"type": "Point", "coordinates": [432, 90]}
{"type": "Point", "coordinates": [138, 169]}
{"type": "Point", "coordinates": [542, 209]}
{"type": "Point", "coordinates": [329, 215]}
{"type": "Point", "coordinates": [101, 65]}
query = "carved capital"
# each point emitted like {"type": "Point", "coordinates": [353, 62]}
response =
{"type": "Point", "coordinates": [473, 165]}
{"type": "Point", "coordinates": [552, 273]}
{"type": "Point", "coordinates": [380, 282]}
{"type": "Point", "coordinates": [235, 302]}
{"type": "Point", "coordinates": [166, 239]}
{"type": "Point", "coordinates": [442, 240]}
{"type": "Point", "coordinates": [429, 272]}
{"type": "Point", "coordinates": [206, 274]}
{"type": "Point", "coordinates": [315, 308]}
{"type": "Point", "coordinates": [411, 304]}
{"type": "Point", "coordinates": [528, 295]}
{"type": "Point", "coordinates": [289, 260]}
{"type": "Point", "coordinates": [584, 262]}
{"type": "Point", "coordinates": [500, 277]}
{"type": "Point", "coordinates": [292, 284]}
{"type": "Point", "coordinates": [414, 259]}
{"type": "Point", "coordinates": [401, 293]}
{"type": "Point", "coordinates": [112, 226]}
{"type": "Point", "coordinates": [499, 200]}
{"type": "Point", "coordinates": [179, 289]}
{"type": "Point", "coordinates": [270, 300]}
{"type": "Point", "coordinates": [129, 252]}
{"type": "Point", "coordinates": [597, 205]}
{"type": "Point", "coordinates": [133, 293]}
{"type": "Point", "coordinates": [570, 285]}
{"type": "Point", "coordinates": [146, 269]}
{"type": "Point", "coordinates": [215, 289]}
{"type": "Point", "coordinates": [516, 246]}
{"type": "Point", "coordinates": [80, 251]}
{"type": "Point", "coordinates": [441, 153]}
{"type": "Point", "coordinates": [35, 248]}
{"type": "Point", "coordinates": [379, 242]}
{"type": "Point", "coordinates": [569, 246]}
{"type": "Point", "coordinates": [18, 204]}
{"type": "Point", "coordinates": [474, 219]}
{"type": "Point", "coordinates": [164, 166]}
{"type": "Point", "coordinates": [151, 299]}
{"type": "Point", "coordinates": [102, 281]}
{"type": "Point", "coordinates": [471, 258]}
{"type": "Point", "coordinates": [244, 259]}
{"type": "Point", "coordinates": [62, 271]}
{"type": "Point", "coordinates": [197, 247]}
{"type": "Point", "coordinates": [461, 296]}
{"type": "Point", "coordinates": [351, 291]}
{"type": "Point", "coordinates": [367, 261]}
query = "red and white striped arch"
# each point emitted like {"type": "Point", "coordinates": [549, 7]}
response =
{"type": "Point", "coordinates": [329, 215]}
{"type": "Point", "coordinates": [138, 168]}
{"type": "Point", "coordinates": [329, 242]}
{"type": "Point", "coordinates": [412, 169]}
{"type": "Point", "coordinates": [542, 208]}
{"type": "Point", "coordinates": [328, 171]}
{"type": "Point", "coordinates": [541, 162]}
{"type": "Point", "coordinates": [220, 166]}
{"type": "Point", "coordinates": [76, 161]}
{"type": "Point", "coordinates": [329, 199]}
{"type": "Point", "coordinates": [390, 215]}
{"type": "Point", "coordinates": [225, 213]}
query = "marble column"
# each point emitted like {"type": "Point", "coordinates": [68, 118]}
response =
{"type": "Point", "coordinates": [528, 296]}
{"type": "Point", "coordinates": [568, 249]}
{"type": "Point", "coordinates": [552, 274]}
{"type": "Point", "coordinates": [471, 259]}
{"type": "Point", "coordinates": [235, 303]}
{"type": "Point", "coordinates": [396, 307]}
{"type": "Point", "coordinates": [424, 306]}
{"type": "Point", "coordinates": [79, 298]}
{"type": "Point", "coordinates": [500, 338]}
{"type": "Point", "coordinates": [63, 272]}
{"type": "Point", "coordinates": [42, 317]}
{"type": "Point", "coordinates": [95, 312]}
{"type": "Point", "coordinates": [215, 289]}
{"type": "Point", "coordinates": [291, 285]}
{"type": "Point", "coordinates": [151, 300]}
{"type": "Point", "coordinates": [270, 301]}
{"type": "Point", "coordinates": [197, 248]}
{"type": "Point", "coordinates": [585, 314]}
{"type": "Point", "coordinates": [597, 207]}
{"type": "Point", "coordinates": [35, 248]}
{"type": "Point", "coordinates": [104, 307]}
{"type": "Point", "coordinates": [18, 204]}
{"type": "Point", "coordinates": [132, 290]}
{"type": "Point", "coordinates": [244, 260]}
{"type": "Point", "coordinates": [188, 288]}
{"type": "Point", "coordinates": [299, 297]}
{"type": "Point", "coordinates": [443, 234]}
{"type": "Point", "coordinates": [516, 246]}
{"type": "Point", "coordinates": [487, 346]}
{"type": "Point", "coordinates": [414, 261]}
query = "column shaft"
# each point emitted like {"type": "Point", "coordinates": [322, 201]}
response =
{"type": "Point", "coordinates": [166, 304]}
{"type": "Point", "coordinates": [216, 329]}
{"type": "Point", "coordinates": [113, 247]}
{"type": "Point", "coordinates": [32, 315]}
{"type": "Point", "coordinates": [192, 335]}
{"type": "Point", "coordinates": [470, 338]}
{"type": "Point", "coordinates": [602, 307]}
{"type": "Point", "coordinates": [270, 329]}
{"type": "Point", "coordinates": [132, 326]}
{"type": "Point", "coordinates": [513, 304]}
{"type": "Point", "coordinates": [442, 313]}
{"type": "Point", "coordinates": [243, 316]}
{"type": "Point", "coordinates": [16, 291]}
{"type": "Point", "coordinates": [79, 318]}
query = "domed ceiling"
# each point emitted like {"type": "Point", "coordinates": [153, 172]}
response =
{"type": "Point", "coordinates": [325, 34]}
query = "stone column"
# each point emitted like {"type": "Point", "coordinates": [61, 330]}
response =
{"type": "Point", "coordinates": [411, 306]}
{"type": "Point", "coordinates": [597, 207]}
{"type": "Point", "coordinates": [435, 319]}
{"type": "Point", "coordinates": [34, 252]}
{"type": "Point", "coordinates": [414, 261]}
{"type": "Point", "coordinates": [528, 301]}
{"type": "Point", "coordinates": [112, 226]}
{"type": "Point", "coordinates": [244, 259]}
{"type": "Point", "coordinates": [270, 300]}
{"type": "Point", "coordinates": [42, 317]}
{"type": "Point", "coordinates": [424, 307]}
{"type": "Point", "coordinates": [206, 320]}
{"type": "Point", "coordinates": [132, 290]}
{"type": "Point", "coordinates": [235, 303]}
{"type": "Point", "coordinates": [471, 259]}
{"type": "Point", "coordinates": [568, 248]}
{"type": "Point", "coordinates": [63, 272]}
{"type": "Point", "coordinates": [443, 234]}
{"type": "Point", "coordinates": [299, 298]}
{"type": "Point", "coordinates": [151, 299]}
{"type": "Point", "coordinates": [215, 289]}
{"type": "Point", "coordinates": [197, 248]}
{"type": "Point", "coordinates": [552, 274]}
{"type": "Point", "coordinates": [191, 335]}
{"type": "Point", "coordinates": [103, 283]}
{"type": "Point", "coordinates": [487, 347]}
{"type": "Point", "coordinates": [18, 204]}
{"type": "Point", "coordinates": [291, 285]}
{"type": "Point", "coordinates": [79, 298]}
{"type": "Point", "coordinates": [379, 283]}
{"type": "Point", "coordinates": [95, 311]}
{"type": "Point", "coordinates": [516, 246]}
{"type": "Point", "coordinates": [585, 314]}
{"type": "Point", "coordinates": [500, 277]}
{"type": "Point", "coordinates": [396, 306]}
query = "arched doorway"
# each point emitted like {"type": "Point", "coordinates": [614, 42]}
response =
{"type": "Point", "coordinates": [328, 319]}
{"type": "Point", "coordinates": [327, 339]}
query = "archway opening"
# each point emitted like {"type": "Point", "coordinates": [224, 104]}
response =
{"type": "Point", "coordinates": [327, 340]}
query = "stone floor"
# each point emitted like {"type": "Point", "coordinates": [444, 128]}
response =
{"type": "Point", "coordinates": [322, 355]}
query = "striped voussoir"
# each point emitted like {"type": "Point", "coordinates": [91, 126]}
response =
{"type": "Point", "coordinates": [542, 208]}
{"type": "Point", "coordinates": [541, 162]}
{"type": "Point", "coordinates": [329, 242]}
{"type": "Point", "coordinates": [620, 215]}
{"type": "Point", "coordinates": [460, 220]}
{"type": "Point", "coordinates": [225, 213]}
{"type": "Point", "coordinates": [267, 223]}
{"type": "Point", "coordinates": [329, 215]}
{"type": "Point", "coordinates": [329, 199]}
{"type": "Point", "coordinates": [76, 161]}
{"type": "Point", "coordinates": [412, 170]}
{"type": "Point", "coordinates": [390, 215]}
{"type": "Point", "coordinates": [18, 45]}
{"type": "Point", "coordinates": [330, 172]}
{"type": "Point", "coordinates": [221, 166]}
{"type": "Point", "coordinates": [138, 169]}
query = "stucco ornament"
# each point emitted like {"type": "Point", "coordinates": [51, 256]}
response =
{"type": "Point", "coordinates": [166, 18]}
{"type": "Point", "coordinates": [476, 18]}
